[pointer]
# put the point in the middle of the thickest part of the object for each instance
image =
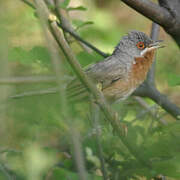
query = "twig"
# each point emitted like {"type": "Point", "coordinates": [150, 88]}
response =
{"type": "Point", "coordinates": [7, 172]}
{"type": "Point", "coordinates": [149, 109]}
{"type": "Point", "coordinates": [164, 102]}
{"type": "Point", "coordinates": [28, 3]}
{"type": "Point", "coordinates": [83, 41]}
{"type": "Point", "coordinates": [63, 16]}
{"type": "Point", "coordinates": [95, 119]}
{"type": "Point", "coordinates": [28, 79]}
{"type": "Point", "coordinates": [35, 93]}
{"type": "Point", "coordinates": [147, 90]}
{"type": "Point", "coordinates": [78, 154]}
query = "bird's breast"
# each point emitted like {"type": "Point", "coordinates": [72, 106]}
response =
{"type": "Point", "coordinates": [124, 87]}
{"type": "Point", "coordinates": [140, 68]}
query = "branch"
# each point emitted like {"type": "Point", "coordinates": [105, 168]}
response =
{"type": "Point", "coordinates": [150, 91]}
{"type": "Point", "coordinates": [154, 36]}
{"type": "Point", "coordinates": [164, 102]}
{"type": "Point", "coordinates": [149, 109]}
{"type": "Point", "coordinates": [35, 93]}
{"type": "Point", "coordinates": [29, 79]}
{"type": "Point", "coordinates": [152, 11]}
{"type": "Point", "coordinates": [28, 3]}
{"type": "Point", "coordinates": [95, 113]}
{"type": "Point", "coordinates": [63, 16]}
{"type": "Point", "coordinates": [82, 40]}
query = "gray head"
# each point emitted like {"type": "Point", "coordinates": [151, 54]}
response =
{"type": "Point", "coordinates": [135, 44]}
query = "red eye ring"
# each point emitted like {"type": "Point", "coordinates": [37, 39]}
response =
{"type": "Point", "coordinates": [140, 45]}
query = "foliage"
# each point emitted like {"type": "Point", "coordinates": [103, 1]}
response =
{"type": "Point", "coordinates": [36, 139]}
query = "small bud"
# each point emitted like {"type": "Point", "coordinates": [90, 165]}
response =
{"type": "Point", "coordinates": [52, 17]}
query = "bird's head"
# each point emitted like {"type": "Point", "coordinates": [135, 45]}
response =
{"type": "Point", "coordinates": [136, 44]}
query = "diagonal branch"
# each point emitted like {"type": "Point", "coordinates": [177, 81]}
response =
{"type": "Point", "coordinates": [29, 79]}
{"type": "Point", "coordinates": [28, 3]}
{"type": "Point", "coordinates": [152, 11]}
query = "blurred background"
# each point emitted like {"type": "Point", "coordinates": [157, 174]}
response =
{"type": "Point", "coordinates": [33, 134]}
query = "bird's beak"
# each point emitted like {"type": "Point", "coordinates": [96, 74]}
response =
{"type": "Point", "coordinates": [155, 45]}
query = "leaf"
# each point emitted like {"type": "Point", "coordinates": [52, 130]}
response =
{"type": "Point", "coordinates": [80, 24]}
{"type": "Point", "coordinates": [36, 54]}
{"type": "Point", "coordinates": [169, 167]}
{"type": "Point", "coordinates": [64, 4]}
{"type": "Point", "coordinates": [39, 53]}
{"type": "Point", "coordinates": [173, 79]}
{"type": "Point", "coordinates": [17, 54]}
{"type": "Point", "coordinates": [85, 58]}
{"type": "Point", "coordinates": [78, 8]}
{"type": "Point", "coordinates": [59, 173]}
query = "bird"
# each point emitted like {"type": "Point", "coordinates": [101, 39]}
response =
{"type": "Point", "coordinates": [121, 73]}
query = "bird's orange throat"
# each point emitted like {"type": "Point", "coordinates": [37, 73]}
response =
{"type": "Point", "coordinates": [141, 67]}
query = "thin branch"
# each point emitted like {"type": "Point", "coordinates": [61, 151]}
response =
{"type": "Point", "coordinates": [95, 120]}
{"type": "Point", "coordinates": [152, 11]}
{"type": "Point", "coordinates": [147, 90]}
{"type": "Point", "coordinates": [35, 93]}
{"type": "Point", "coordinates": [28, 3]}
{"type": "Point", "coordinates": [82, 40]}
{"type": "Point", "coordinates": [154, 36]}
{"type": "Point", "coordinates": [63, 16]}
{"type": "Point", "coordinates": [149, 109]}
{"type": "Point", "coordinates": [28, 79]}
{"type": "Point", "coordinates": [164, 102]}
{"type": "Point", "coordinates": [78, 154]}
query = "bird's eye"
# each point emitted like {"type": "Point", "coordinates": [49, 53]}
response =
{"type": "Point", "coordinates": [140, 45]}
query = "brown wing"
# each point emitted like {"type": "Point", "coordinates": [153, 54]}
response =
{"type": "Point", "coordinates": [105, 72]}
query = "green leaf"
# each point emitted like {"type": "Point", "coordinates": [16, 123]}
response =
{"type": "Point", "coordinates": [64, 4]}
{"type": "Point", "coordinates": [39, 53]}
{"type": "Point", "coordinates": [59, 173]}
{"type": "Point", "coordinates": [86, 59]}
{"type": "Point", "coordinates": [80, 24]}
{"type": "Point", "coordinates": [173, 79]}
{"type": "Point", "coordinates": [78, 8]}
{"type": "Point", "coordinates": [36, 54]}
